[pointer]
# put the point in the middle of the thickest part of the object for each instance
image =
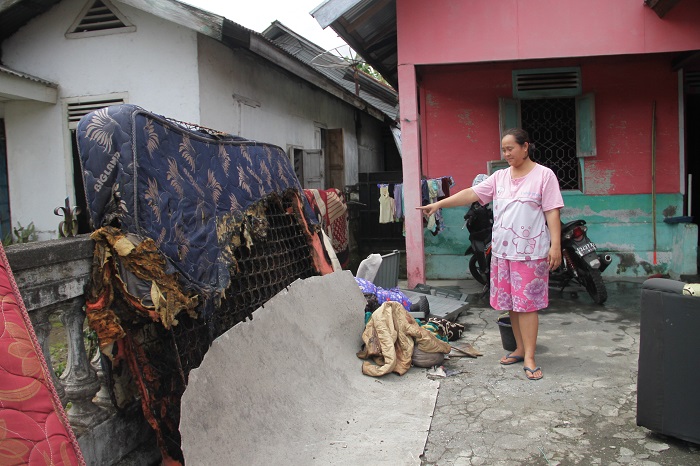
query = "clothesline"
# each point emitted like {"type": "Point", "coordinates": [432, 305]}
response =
{"type": "Point", "coordinates": [391, 203]}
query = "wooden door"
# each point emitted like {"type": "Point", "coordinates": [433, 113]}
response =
{"type": "Point", "coordinates": [313, 169]}
{"type": "Point", "coordinates": [336, 159]}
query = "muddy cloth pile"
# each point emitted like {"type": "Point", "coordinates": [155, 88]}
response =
{"type": "Point", "coordinates": [195, 230]}
{"type": "Point", "coordinates": [389, 339]}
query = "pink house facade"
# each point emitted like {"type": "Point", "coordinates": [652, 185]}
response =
{"type": "Point", "coordinates": [608, 90]}
{"type": "Point", "coordinates": [611, 80]}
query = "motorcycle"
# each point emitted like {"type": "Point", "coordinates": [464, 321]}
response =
{"type": "Point", "coordinates": [580, 263]}
{"type": "Point", "coordinates": [479, 221]}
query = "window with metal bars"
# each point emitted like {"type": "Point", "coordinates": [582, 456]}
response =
{"type": "Point", "coordinates": [550, 105]}
{"type": "Point", "coordinates": [551, 124]}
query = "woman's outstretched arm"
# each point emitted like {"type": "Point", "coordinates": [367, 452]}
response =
{"type": "Point", "coordinates": [463, 197]}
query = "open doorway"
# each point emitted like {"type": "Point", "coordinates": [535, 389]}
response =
{"type": "Point", "coordinates": [80, 197]}
{"type": "Point", "coordinates": [5, 222]}
{"type": "Point", "coordinates": [692, 128]}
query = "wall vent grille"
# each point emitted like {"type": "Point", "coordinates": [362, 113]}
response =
{"type": "Point", "coordinates": [77, 110]}
{"type": "Point", "coordinates": [558, 82]}
{"type": "Point", "coordinates": [97, 18]}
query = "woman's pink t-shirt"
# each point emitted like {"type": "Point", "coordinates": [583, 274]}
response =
{"type": "Point", "coordinates": [519, 226]}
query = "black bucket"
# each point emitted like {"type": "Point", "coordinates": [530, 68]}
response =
{"type": "Point", "coordinates": [507, 336]}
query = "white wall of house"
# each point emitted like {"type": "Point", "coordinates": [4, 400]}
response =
{"type": "Point", "coordinates": [273, 106]}
{"type": "Point", "coordinates": [154, 67]}
{"type": "Point", "coordinates": [167, 69]}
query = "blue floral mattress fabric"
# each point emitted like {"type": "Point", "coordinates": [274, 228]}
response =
{"type": "Point", "coordinates": [180, 186]}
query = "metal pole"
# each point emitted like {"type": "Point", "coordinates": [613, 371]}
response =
{"type": "Point", "coordinates": [653, 174]}
{"type": "Point", "coordinates": [690, 194]}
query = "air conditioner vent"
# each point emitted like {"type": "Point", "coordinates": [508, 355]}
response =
{"type": "Point", "coordinates": [562, 82]}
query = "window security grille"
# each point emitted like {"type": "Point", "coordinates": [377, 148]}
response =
{"type": "Point", "coordinates": [551, 124]}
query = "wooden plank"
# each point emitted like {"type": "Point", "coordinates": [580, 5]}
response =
{"type": "Point", "coordinates": [331, 10]}
{"type": "Point", "coordinates": [196, 19]}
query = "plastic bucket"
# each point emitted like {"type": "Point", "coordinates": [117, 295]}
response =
{"type": "Point", "coordinates": [507, 336]}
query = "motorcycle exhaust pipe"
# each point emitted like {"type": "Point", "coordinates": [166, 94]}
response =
{"type": "Point", "coordinates": [605, 260]}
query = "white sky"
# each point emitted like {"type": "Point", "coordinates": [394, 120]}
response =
{"type": "Point", "coordinates": [258, 14]}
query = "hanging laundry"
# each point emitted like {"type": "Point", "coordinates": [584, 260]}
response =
{"type": "Point", "coordinates": [432, 190]}
{"type": "Point", "coordinates": [398, 202]}
{"type": "Point", "coordinates": [386, 205]}
{"type": "Point", "coordinates": [433, 197]}
{"type": "Point", "coordinates": [331, 210]}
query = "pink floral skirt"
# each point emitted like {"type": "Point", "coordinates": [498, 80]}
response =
{"type": "Point", "coordinates": [520, 286]}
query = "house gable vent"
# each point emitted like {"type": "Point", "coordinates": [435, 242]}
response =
{"type": "Point", "coordinates": [552, 82]}
{"type": "Point", "coordinates": [77, 110]}
{"type": "Point", "coordinates": [99, 17]}
{"type": "Point", "coordinates": [692, 82]}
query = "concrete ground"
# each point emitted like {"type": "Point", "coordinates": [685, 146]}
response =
{"type": "Point", "coordinates": [582, 412]}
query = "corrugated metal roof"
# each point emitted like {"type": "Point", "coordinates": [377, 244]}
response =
{"type": "Point", "coordinates": [369, 27]}
{"type": "Point", "coordinates": [379, 95]}
{"type": "Point", "coordinates": [15, 14]}
{"type": "Point", "coordinates": [19, 74]}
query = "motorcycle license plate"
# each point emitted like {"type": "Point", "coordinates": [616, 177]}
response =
{"type": "Point", "coordinates": [585, 248]}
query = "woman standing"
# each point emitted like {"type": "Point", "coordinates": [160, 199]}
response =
{"type": "Point", "coordinates": [526, 240]}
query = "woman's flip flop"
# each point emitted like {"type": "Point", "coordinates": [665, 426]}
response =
{"type": "Point", "coordinates": [532, 371]}
{"type": "Point", "coordinates": [510, 356]}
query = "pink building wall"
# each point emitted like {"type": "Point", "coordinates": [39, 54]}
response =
{"type": "Point", "coordinates": [459, 130]}
{"type": "Point", "coordinates": [457, 31]}
{"type": "Point", "coordinates": [620, 46]}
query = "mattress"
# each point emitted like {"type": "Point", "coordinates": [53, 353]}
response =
{"type": "Point", "coordinates": [34, 429]}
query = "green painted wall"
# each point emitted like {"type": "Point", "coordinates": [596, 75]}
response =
{"type": "Point", "coordinates": [619, 225]}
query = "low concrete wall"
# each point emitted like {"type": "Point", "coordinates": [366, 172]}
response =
{"type": "Point", "coordinates": [619, 225]}
{"type": "Point", "coordinates": [51, 276]}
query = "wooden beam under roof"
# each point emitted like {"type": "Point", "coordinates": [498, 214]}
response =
{"type": "Point", "coordinates": [366, 15]}
{"type": "Point", "coordinates": [661, 7]}
{"type": "Point", "coordinates": [686, 60]}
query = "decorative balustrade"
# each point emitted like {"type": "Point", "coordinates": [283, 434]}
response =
{"type": "Point", "coordinates": [51, 276]}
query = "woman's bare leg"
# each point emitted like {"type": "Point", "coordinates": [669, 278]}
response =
{"type": "Point", "coordinates": [525, 327]}
{"type": "Point", "coordinates": [519, 348]}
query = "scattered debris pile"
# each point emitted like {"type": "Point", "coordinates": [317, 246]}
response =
{"type": "Point", "coordinates": [196, 229]}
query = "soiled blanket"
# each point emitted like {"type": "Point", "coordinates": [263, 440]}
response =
{"type": "Point", "coordinates": [34, 429]}
{"type": "Point", "coordinates": [332, 212]}
{"type": "Point", "coordinates": [390, 336]}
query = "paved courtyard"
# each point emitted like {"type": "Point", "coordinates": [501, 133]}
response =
{"type": "Point", "coordinates": [582, 412]}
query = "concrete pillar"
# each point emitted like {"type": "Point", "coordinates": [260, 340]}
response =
{"type": "Point", "coordinates": [410, 153]}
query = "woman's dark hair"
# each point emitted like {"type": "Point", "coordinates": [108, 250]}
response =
{"type": "Point", "coordinates": [521, 137]}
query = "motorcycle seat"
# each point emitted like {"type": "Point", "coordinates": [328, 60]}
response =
{"type": "Point", "coordinates": [569, 225]}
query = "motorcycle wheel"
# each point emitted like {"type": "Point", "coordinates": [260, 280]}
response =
{"type": "Point", "coordinates": [476, 272]}
{"type": "Point", "coordinates": [593, 282]}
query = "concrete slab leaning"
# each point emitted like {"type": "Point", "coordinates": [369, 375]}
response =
{"type": "Point", "coordinates": [287, 388]}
